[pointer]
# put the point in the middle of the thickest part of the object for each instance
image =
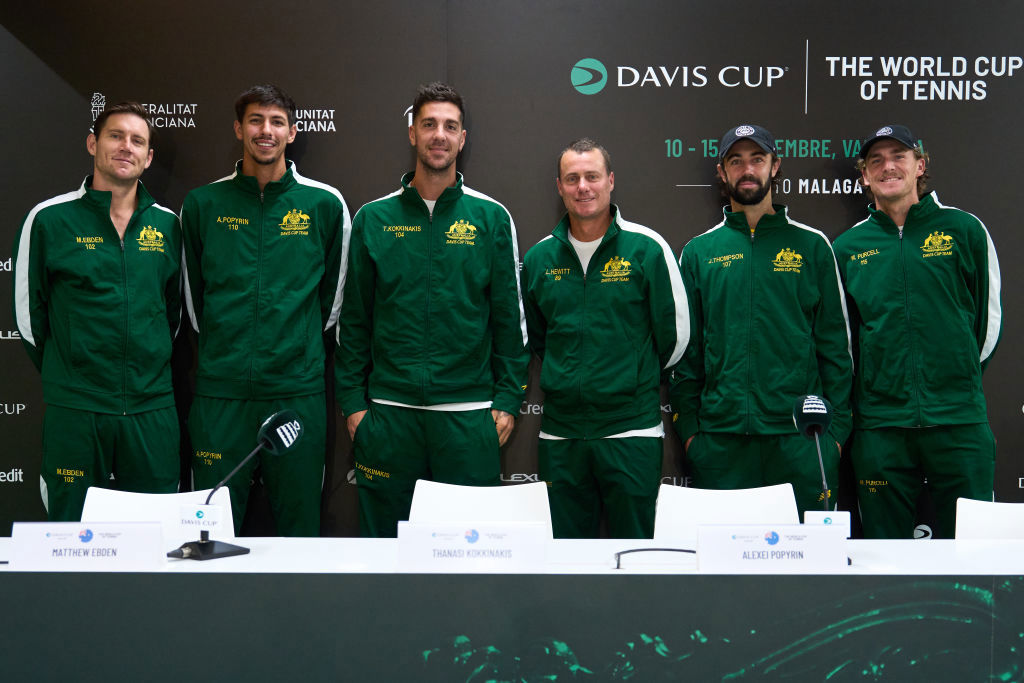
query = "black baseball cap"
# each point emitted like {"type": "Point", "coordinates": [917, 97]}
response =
{"type": "Point", "coordinates": [900, 134]}
{"type": "Point", "coordinates": [761, 136]}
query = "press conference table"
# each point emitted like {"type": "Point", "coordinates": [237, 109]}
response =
{"type": "Point", "coordinates": [336, 609]}
{"type": "Point", "coordinates": [579, 556]}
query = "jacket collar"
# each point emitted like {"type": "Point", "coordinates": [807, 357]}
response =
{"type": "Point", "coordinates": [738, 220]}
{"type": "Point", "coordinates": [101, 200]}
{"type": "Point", "coordinates": [249, 184]}
{"type": "Point", "coordinates": [561, 231]}
{"type": "Point", "coordinates": [925, 206]}
{"type": "Point", "coordinates": [449, 196]}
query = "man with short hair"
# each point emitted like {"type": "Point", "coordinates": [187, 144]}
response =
{"type": "Point", "coordinates": [607, 315]}
{"type": "Point", "coordinates": [769, 326]}
{"type": "Point", "coordinates": [922, 283]}
{"type": "Point", "coordinates": [265, 250]}
{"type": "Point", "coordinates": [97, 300]}
{"type": "Point", "coordinates": [431, 362]}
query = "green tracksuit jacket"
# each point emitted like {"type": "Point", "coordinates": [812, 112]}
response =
{"type": "Point", "coordinates": [263, 273]}
{"type": "Point", "coordinates": [769, 325]}
{"type": "Point", "coordinates": [432, 312]}
{"type": "Point", "coordinates": [604, 336]}
{"type": "Point", "coordinates": [925, 312]}
{"type": "Point", "coordinates": [96, 315]}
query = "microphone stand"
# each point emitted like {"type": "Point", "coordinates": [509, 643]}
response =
{"type": "Point", "coordinates": [262, 444]}
{"type": "Point", "coordinates": [821, 464]}
{"type": "Point", "coordinates": [204, 548]}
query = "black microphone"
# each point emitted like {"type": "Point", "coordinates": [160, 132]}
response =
{"type": "Point", "coordinates": [278, 434]}
{"type": "Point", "coordinates": [812, 416]}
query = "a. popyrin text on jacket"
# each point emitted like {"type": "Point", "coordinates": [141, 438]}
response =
{"type": "Point", "coordinates": [262, 272]}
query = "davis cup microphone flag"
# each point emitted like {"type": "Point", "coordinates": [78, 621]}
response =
{"type": "Point", "coordinates": [812, 415]}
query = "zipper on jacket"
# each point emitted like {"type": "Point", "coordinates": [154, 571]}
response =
{"type": "Point", "coordinates": [583, 307]}
{"type": "Point", "coordinates": [910, 330]}
{"type": "Point", "coordinates": [256, 302]}
{"type": "Point", "coordinates": [127, 329]}
{"type": "Point", "coordinates": [582, 331]}
{"type": "Point", "coordinates": [750, 335]}
{"type": "Point", "coordinates": [426, 322]}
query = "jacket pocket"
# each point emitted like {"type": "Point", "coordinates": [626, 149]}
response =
{"type": "Point", "coordinates": [96, 351]}
{"type": "Point", "coordinates": [956, 370]}
{"type": "Point", "coordinates": [291, 345]}
{"type": "Point", "coordinates": [885, 376]}
{"type": "Point", "coordinates": [149, 350]}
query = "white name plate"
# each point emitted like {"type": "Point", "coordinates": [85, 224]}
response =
{"type": "Point", "coordinates": [195, 518]}
{"type": "Point", "coordinates": [486, 547]}
{"type": "Point", "coordinates": [770, 549]}
{"type": "Point", "coordinates": [87, 546]}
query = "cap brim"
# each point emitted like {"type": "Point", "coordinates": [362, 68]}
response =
{"type": "Point", "coordinates": [764, 148]}
{"type": "Point", "coordinates": [867, 145]}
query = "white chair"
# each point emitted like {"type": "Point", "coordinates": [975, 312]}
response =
{"type": "Point", "coordinates": [434, 502]}
{"type": "Point", "coordinates": [980, 519]}
{"type": "Point", "coordinates": [681, 509]}
{"type": "Point", "coordinates": [109, 505]}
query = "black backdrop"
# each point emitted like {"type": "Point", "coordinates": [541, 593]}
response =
{"type": "Point", "coordinates": [678, 74]}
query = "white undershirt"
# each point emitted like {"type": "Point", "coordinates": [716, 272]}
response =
{"type": "Point", "coordinates": [439, 407]}
{"type": "Point", "coordinates": [584, 250]}
{"type": "Point", "coordinates": [656, 432]}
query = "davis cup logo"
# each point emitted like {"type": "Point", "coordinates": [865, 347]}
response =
{"type": "Point", "coordinates": [744, 131]}
{"type": "Point", "coordinates": [883, 131]}
{"type": "Point", "coordinates": [589, 76]}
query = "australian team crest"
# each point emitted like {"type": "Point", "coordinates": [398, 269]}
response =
{"type": "Point", "coordinates": [461, 232]}
{"type": "Point", "coordinates": [295, 223]}
{"type": "Point", "coordinates": [937, 244]}
{"type": "Point", "coordinates": [617, 269]}
{"type": "Point", "coordinates": [151, 239]}
{"type": "Point", "coordinates": [789, 261]}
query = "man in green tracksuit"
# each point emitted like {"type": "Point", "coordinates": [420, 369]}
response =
{"type": "Point", "coordinates": [431, 362]}
{"type": "Point", "coordinates": [922, 281]}
{"type": "Point", "coordinates": [607, 314]}
{"type": "Point", "coordinates": [97, 300]}
{"type": "Point", "coordinates": [264, 255]}
{"type": "Point", "coordinates": [769, 326]}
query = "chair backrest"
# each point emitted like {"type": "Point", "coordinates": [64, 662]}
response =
{"type": "Point", "coordinates": [980, 519]}
{"type": "Point", "coordinates": [681, 509]}
{"type": "Point", "coordinates": [109, 505]}
{"type": "Point", "coordinates": [450, 503]}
